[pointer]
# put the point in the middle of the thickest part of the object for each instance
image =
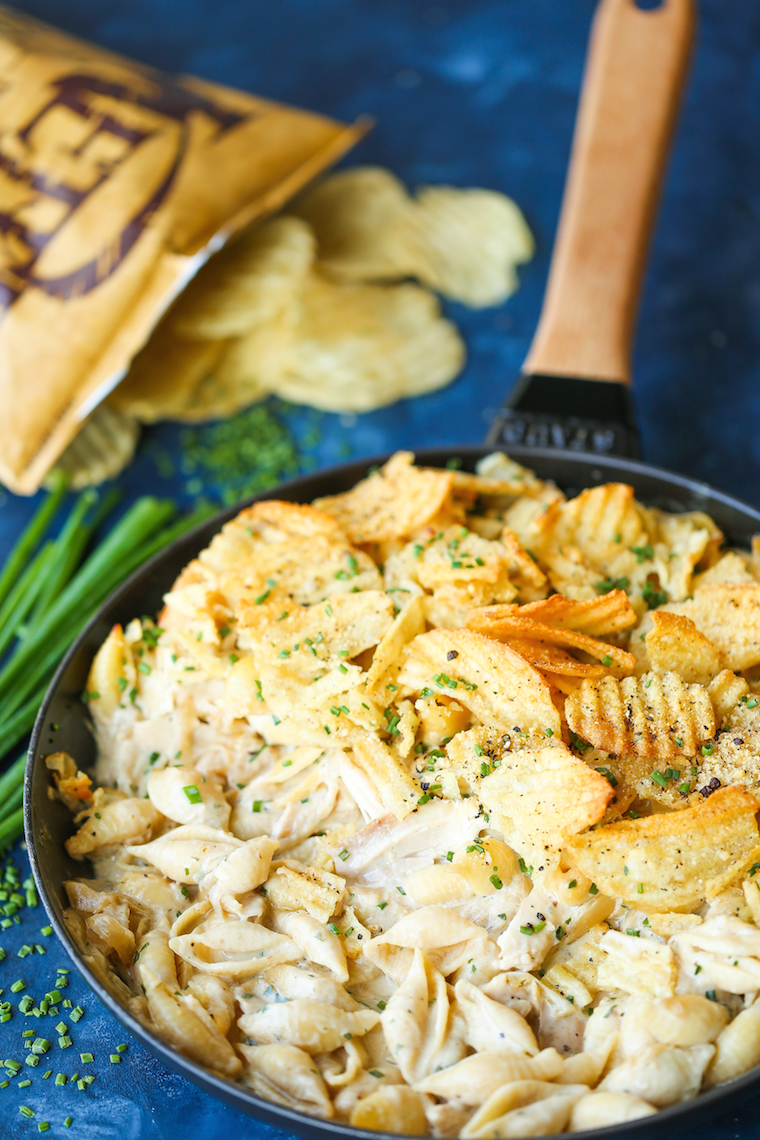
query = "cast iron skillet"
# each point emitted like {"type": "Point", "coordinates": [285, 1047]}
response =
{"type": "Point", "coordinates": [569, 419]}
{"type": "Point", "coordinates": [48, 822]}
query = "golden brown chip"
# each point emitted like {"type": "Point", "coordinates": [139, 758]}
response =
{"type": "Point", "coordinates": [524, 571]}
{"type": "Point", "coordinates": [498, 465]}
{"type": "Point", "coordinates": [358, 217]}
{"type": "Point", "coordinates": [581, 957]}
{"type": "Point", "coordinates": [546, 794]}
{"type": "Point", "coordinates": [681, 542]}
{"type": "Point", "coordinates": [509, 623]}
{"type": "Point", "coordinates": [638, 966]}
{"type": "Point", "coordinates": [603, 522]}
{"type": "Point", "coordinates": [729, 616]}
{"type": "Point", "coordinates": [672, 922]}
{"type": "Point", "coordinates": [466, 243]}
{"type": "Point", "coordinates": [655, 715]}
{"type": "Point", "coordinates": [734, 756]}
{"type": "Point", "coordinates": [394, 502]}
{"type": "Point", "coordinates": [359, 347]}
{"type": "Point", "coordinates": [731, 567]}
{"type": "Point", "coordinates": [103, 448]}
{"type": "Point", "coordinates": [397, 790]}
{"type": "Point", "coordinates": [248, 283]}
{"type": "Point", "coordinates": [463, 243]}
{"type": "Point", "coordinates": [672, 860]}
{"type": "Point", "coordinates": [165, 375]}
{"type": "Point", "coordinates": [498, 686]}
{"type": "Point", "coordinates": [675, 645]}
{"type": "Point", "coordinates": [550, 659]}
{"type": "Point", "coordinates": [304, 661]}
{"type": "Point", "coordinates": [726, 690]}
{"type": "Point", "coordinates": [293, 886]}
{"type": "Point", "coordinates": [246, 371]}
{"type": "Point", "coordinates": [408, 623]}
{"type": "Point", "coordinates": [598, 617]}
{"type": "Point", "coordinates": [258, 558]}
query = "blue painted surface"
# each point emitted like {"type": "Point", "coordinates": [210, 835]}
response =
{"type": "Point", "coordinates": [472, 92]}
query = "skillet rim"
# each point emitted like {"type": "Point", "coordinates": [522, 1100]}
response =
{"type": "Point", "coordinates": [233, 1093]}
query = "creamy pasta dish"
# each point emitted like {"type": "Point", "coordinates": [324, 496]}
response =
{"type": "Point", "coordinates": [430, 807]}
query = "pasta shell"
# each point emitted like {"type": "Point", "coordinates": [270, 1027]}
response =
{"type": "Point", "coordinates": [317, 942]}
{"type": "Point", "coordinates": [244, 869]}
{"type": "Point", "coordinates": [287, 1076]}
{"type": "Point", "coordinates": [187, 796]}
{"type": "Point", "coordinates": [392, 1108]}
{"type": "Point", "coordinates": [310, 1025]}
{"type": "Point", "coordinates": [603, 1109]}
{"type": "Point", "coordinates": [492, 1026]}
{"type": "Point", "coordinates": [498, 1115]}
{"type": "Point", "coordinates": [188, 853]}
{"type": "Point", "coordinates": [186, 1032]}
{"type": "Point", "coordinates": [737, 1048]}
{"type": "Point", "coordinates": [661, 1074]}
{"type": "Point", "coordinates": [235, 949]}
{"type": "Point", "coordinates": [475, 1078]}
{"type": "Point", "coordinates": [416, 1022]}
{"type": "Point", "coordinates": [116, 822]}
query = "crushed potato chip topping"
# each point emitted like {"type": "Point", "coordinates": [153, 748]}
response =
{"type": "Point", "coordinates": [435, 802]}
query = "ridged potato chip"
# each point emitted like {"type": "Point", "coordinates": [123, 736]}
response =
{"type": "Point", "coordinates": [245, 372]}
{"type": "Point", "coordinates": [498, 686]}
{"type": "Point", "coordinates": [547, 794]}
{"type": "Point", "coordinates": [394, 502]}
{"type": "Point", "coordinates": [463, 243]}
{"type": "Point", "coordinates": [673, 860]}
{"type": "Point", "coordinates": [729, 616]}
{"type": "Point", "coordinates": [292, 886]}
{"type": "Point", "coordinates": [680, 542]}
{"type": "Point", "coordinates": [641, 967]}
{"type": "Point", "coordinates": [358, 216]}
{"type": "Point", "coordinates": [248, 283]}
{"type": "Point", "coordinates": [103, 448]}
{"type": "Point", "coordinates": [356, 347]}
{"type": "Point", "coordinates": [603, 522]}
{"type": "Point", "coordinates": [734, 756]}
{"type": "Point", "coordinates": [466, 243]}
{"type": "Point", "coordinates": [656, 715]}
{"type": "Point", "coordinates": [733, 566]}
{"type": "Point", "coordinates": [165, 375]}
{"type": "Point", "coordinates": [581, 957]}
{"type": "Point", "coordinates": [598, 617]}
{"type": "Point", "coordinates": [512, 625]}
{"type": "Point", "coordinates": [397, 789]}
{"type": "Point", "coordinates": [675, 645]}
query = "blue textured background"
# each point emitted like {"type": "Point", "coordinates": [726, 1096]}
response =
{"type": "Point", "coordinates": [472, 92]}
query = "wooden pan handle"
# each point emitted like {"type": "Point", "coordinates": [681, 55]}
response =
{"type": "Point", "coordinates": [634, 72]}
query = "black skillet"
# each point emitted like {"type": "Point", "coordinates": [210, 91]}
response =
{"type": "Point", "coordinates": [570, 420]}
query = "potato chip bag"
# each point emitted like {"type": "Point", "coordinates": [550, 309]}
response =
{"type": "Point", "coordinates": [118, 183]}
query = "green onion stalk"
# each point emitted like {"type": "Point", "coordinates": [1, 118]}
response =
{"type": "Point", "coordinates": [49, 591]}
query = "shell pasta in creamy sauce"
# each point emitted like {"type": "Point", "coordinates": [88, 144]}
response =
{"type": "Point", "coordinates": [430, 807]}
